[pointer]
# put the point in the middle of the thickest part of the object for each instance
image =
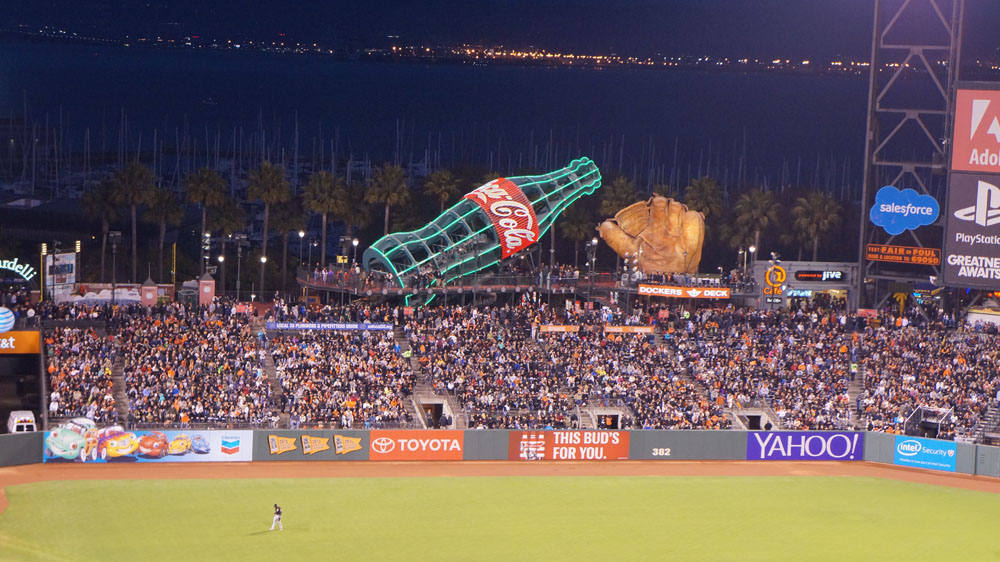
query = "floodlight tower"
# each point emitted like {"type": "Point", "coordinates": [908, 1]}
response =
{"type": "Point", "coordinates": [915, 58]}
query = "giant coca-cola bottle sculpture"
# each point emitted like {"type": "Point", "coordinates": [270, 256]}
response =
{"type": "Point", "coordinates": [490, 224]}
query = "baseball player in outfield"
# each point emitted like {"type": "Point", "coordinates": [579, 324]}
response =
{"type": "Point", "coordinates": [277, 518]}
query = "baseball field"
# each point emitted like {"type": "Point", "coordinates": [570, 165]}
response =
{"type": "Point", "coordinates": [497, 511]}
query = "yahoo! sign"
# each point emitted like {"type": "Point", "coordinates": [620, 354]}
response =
{"type": "Point", "coordinates": [805, 446]}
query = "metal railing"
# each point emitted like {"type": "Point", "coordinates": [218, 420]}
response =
{"type": "Point", "coordinates": [348, 281]}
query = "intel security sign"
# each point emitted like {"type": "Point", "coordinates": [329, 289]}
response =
{"type": "Point", "coordinates": [925, 453]}
{"type": "Point", "coordinates": [897, 211]}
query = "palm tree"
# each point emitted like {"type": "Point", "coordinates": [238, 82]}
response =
{"type": "Point", "coordinates": [387, 186]}
{"type": "Point", "coordinates": [321, 196]}
{"type": "Point", "coordinates": [619, 194]}
{"type": "Point", "coordinates": [487, 178]}
{"type": "Point", "coordinates": [287, 217]}
{"type": "Point", "coordinates": [757, 211]}
{"type": "Point", "coordinates": [441, 185]}
{"type": "Point", "coordinates": [815, 216]}
{"type": "Point", "coordinates": [354, 212]}
{"type": "Point", "coordinates": [665, 190]}
{"type": "Point", "coordinates": [577, 225]}
{"type": "Point", "coordinates": [162, 209]}
{"type": "Point", "coordinates": [132, 184]}
{"type": "Point", "coordinates": [207, 189]}
{"type": "Point", "coordinates": [99, 204]}
{"type": "Point", "coordinates": [268, 185]}
{"type": "Point", "coordinates": [705, 196]}
{"type": "Point", "coordinates": [226, 219]}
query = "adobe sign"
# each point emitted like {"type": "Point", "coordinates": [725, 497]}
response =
{"type": "Point", "coordinates": [976, 138]}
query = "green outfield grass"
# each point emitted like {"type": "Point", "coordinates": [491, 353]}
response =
{"type": "Point", "coordinates": [530, 518]}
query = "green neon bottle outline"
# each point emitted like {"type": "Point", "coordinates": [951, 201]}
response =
{"type": "Point", "coordinates": [556, 210]}
{"type": "Point", "coordinates": [575, 165]}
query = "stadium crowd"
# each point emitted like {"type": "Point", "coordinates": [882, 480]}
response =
{"type": "Point", "coordinates": [199, 365]}
{"type": "Point", "coordinates": [79, 374]}
{"type": "Point", "coordinates": [506, 370]}
{"type": "Point", "coordinates": [344, 379]}
{"type": "Point", "coordinates": [933, 366]}
{"type": "Point", "coordinates": [486, 358]}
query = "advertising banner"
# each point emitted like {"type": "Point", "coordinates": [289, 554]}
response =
{"type": "Point", "coordinates": [511, 213]}
{"type": "Point", "coordinates": [821, 276]}
{"type": "Point", "coordinates": [972, 237]}
{"type": "Point", "coordinates": [416, 445]}
{"type": "Point", "coordinates": [925, 453]}
{"type": "Point", "coordinates": [79, 441]}
{"type": "Point", "coordinates": [60, 269]}
{"type": "Point", "coordinates": [684, 292]}
{"type": "Point", "coordinates": [331, 326]}
{"type": "Point", "coordinates": [555, 328]}
{"type": "Point", "coordinates": [897, 211]}
{"type": "Point", "coordinates": [609, 329]}
{"type": "Point", "coordinates": [805, 446]}
{"type": "Point", "coordinates": [311, 445]}
{"type": "Point", "coordinates": [976, 138]}
{"type": "Point", "coordinates": [903, 254]}
{"type": "Point", "coordinates": [20, 342]}
{"type": "Point", "coordinates": [24, 269]}
{"type": "Point", "coordinates": [568, 445]}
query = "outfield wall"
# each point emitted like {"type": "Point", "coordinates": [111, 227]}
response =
{"type": "Point", "coordinates": [529, 445]}
{"type": "Point", "coordinates": [21, 448]}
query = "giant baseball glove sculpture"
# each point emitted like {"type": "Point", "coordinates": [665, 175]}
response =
{"type": "Point", "coordinates": [662, 233]}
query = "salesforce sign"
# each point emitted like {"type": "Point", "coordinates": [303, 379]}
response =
{"type": "Point", "coordinates": [925, 453]}
{"type": "Point", "coordinates": [805, 446]}
{"type": "Point", "coordinates": [898, 211]}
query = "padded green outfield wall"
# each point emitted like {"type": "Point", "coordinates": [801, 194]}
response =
{"type": "Point", "coordinates": [591, 445]}
{"type": "Point", "coordinates": [21, 448]}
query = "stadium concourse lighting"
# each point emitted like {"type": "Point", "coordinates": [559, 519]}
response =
{"type": "Point", "coordinates": [263, 262]}
{"type": "Point", "coordinates": [355, 244]}
{"type": "Point", "coordinates": [222, 259]}
{"type": "Point", "coordinates": [302, 234]}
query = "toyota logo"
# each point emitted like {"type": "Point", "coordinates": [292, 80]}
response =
{"type": "Point", "coordinates": [383, 445]}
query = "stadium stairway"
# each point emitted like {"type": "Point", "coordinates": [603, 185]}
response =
{"type": "Point", "coordinates": [277, 392]}
{"type": "Point", "coordinates": [118, 387]}
{"type": "Point", "coordinates": [988, 423]}
{"type": "Point", "coordinates": [422, 391]}
{"type": "Point", "coordinates": [853, 390]}
{"type": "Point", "coordinates": [699, 387]}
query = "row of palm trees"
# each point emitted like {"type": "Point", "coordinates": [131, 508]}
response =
{"type": "Point", "coordinates": [809, 219]}
{"type": "Point", "coordinates": [121, 195]}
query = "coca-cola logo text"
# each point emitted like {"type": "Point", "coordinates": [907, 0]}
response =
{"type": "Point", "coordinates": [510, 212]}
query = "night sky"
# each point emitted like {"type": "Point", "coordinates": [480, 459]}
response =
{"type": "Point", "coordinates": [735, 28]}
